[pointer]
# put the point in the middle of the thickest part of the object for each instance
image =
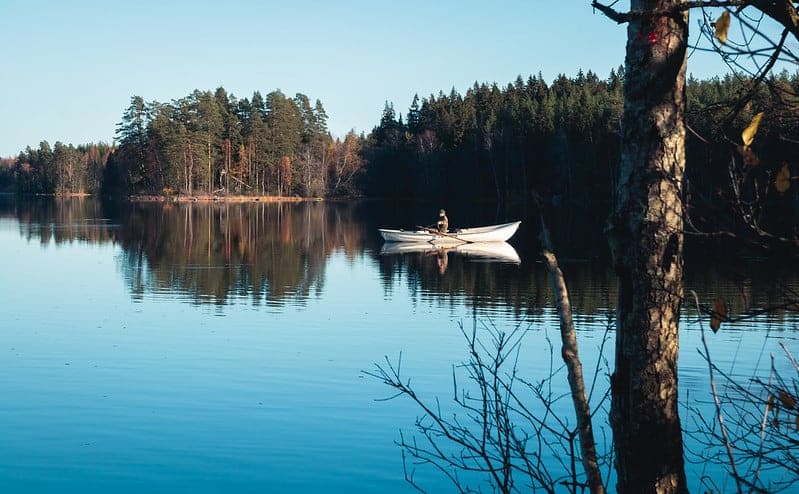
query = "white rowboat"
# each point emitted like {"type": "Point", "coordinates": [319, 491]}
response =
{"type": "Point", "coordinates": [493, 233]}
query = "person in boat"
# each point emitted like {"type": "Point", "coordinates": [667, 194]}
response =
{"type": "Point", "coordinates": [443, 222]}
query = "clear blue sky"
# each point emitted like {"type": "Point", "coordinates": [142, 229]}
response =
{"type": "Point", "coordinates": [70, 67]}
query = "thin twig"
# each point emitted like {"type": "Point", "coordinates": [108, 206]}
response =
{"type": "Point", "coordinates": [717, 403]}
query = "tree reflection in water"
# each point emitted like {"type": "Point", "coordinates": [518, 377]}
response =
{"type": "Point", "coordinates": [278, 252]}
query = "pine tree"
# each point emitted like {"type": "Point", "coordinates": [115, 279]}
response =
{"type": "Point", "coordinates": [132, 136]}
{"type": "Point", "coordinates": [414, 116]}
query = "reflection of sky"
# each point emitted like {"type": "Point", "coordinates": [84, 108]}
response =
{"type": "Point", "coordinates": [104, 393]}
{"type": "Point", "coordinates": [46, 276]}
{"type": "Point", "coordinates": [156, 391]}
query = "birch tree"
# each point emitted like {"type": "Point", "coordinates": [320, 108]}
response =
{"type": "Point", "coordinates": [645, 232]}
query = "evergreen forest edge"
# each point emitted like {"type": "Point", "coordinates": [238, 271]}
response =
{"type": "Point", "coordinates": [560, 141]}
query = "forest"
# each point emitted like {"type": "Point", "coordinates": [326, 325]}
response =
{"type": "Point", "coordinates": [558, 140]}
{"type": "Point", "coordinates": [642, 158]}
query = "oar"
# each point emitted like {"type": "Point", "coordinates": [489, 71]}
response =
{"type": "Point", "coordinates": [431, 230]}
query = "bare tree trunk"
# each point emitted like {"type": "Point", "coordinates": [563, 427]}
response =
{"type": "Point", "coordinates": [645, 235]}
{"type": "Point", "coordinates": [252, 166]}
{"type": "Point", "coordinates": [308, 171]}
{"type": "Point", "coordinates": [324, 170]}
{"type": "Point", "coordinates": [571, 358]}
{"type": "Point", "coordinates": [190, 174]}
{"type": "Point", "coordinates": [228, 154]}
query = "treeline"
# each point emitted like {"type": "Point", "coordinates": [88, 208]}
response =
{"type": "Point", "coordinates": [61, 169]}
{"type": "Point", "coordinates": [212, 142]}
{"type": "Point", "coordinates": [502, 143]}
{"type": "Point", "coordinates": [6, 175]}
{"type": "Point", "coordinates": [207, 142]}
{"type": "Point", "coordinates": [493, 143]}
{"type": "Point", "coordinates": [561, 140]}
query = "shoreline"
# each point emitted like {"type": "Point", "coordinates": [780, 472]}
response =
{"type": "Point", "coordinates": [202, 198]}
{"type": "Point", "coordinates": [213, 198]}
{"type": "Point", "coordinates": [172, 198]}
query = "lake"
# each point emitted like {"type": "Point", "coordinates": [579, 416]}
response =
{"type": "Point", "coordinates": [221, 347]}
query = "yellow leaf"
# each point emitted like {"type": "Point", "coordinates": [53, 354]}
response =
{"type": "Point", "coordinates": [749, 156]}
{"type": "Point", "coordinates": [719, 314]}
{"type": "Point", "coordinates": [723, 26]}
{"type": "Point", "coordinates": [770, 403]}
{"type": "Point", "coordinates": [783, 181]}
{"type": "Point", "coordinates": [748, 135]}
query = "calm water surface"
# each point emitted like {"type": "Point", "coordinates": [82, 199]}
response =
{"type": "Point", "coordinates": [219, 348]}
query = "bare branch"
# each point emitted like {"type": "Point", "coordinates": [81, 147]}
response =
{"type": "Point", "coordinates": [622, 17]}
{"type": "Point", "coordinates": [719, 415]}
{"type": "Point", "coordinates": [571, 357]}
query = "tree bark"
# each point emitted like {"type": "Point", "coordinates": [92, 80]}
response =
{"type": "Point", "coordinates": [645, 235]}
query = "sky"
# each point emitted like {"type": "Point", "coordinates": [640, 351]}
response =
{"type": "Point", "coordinates": [69, 68]}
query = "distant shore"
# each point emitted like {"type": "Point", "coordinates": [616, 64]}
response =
{"type": "Point", "coordinates": [186, 198]}
{"type": "Point", "coordinates": [215, 198]}
{"type": "Point", "coordinates": [60, 195]}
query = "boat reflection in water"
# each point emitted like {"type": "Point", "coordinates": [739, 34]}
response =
{"type": "Point", "coordinates": [499, 252]}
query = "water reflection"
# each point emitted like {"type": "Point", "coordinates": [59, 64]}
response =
{"type": "Point", "coordinates": [491, 252]}
{"type": "Point", "coordinates": [60, 221]}
{"type": "Point", "coordinates": [499, 252]}
{"type": "Point", "coordinates": [132, 368]}
{"type": "Point", "coordinates": [272, 253]}
{"type": "Point", "coordinates": [215, 252]}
